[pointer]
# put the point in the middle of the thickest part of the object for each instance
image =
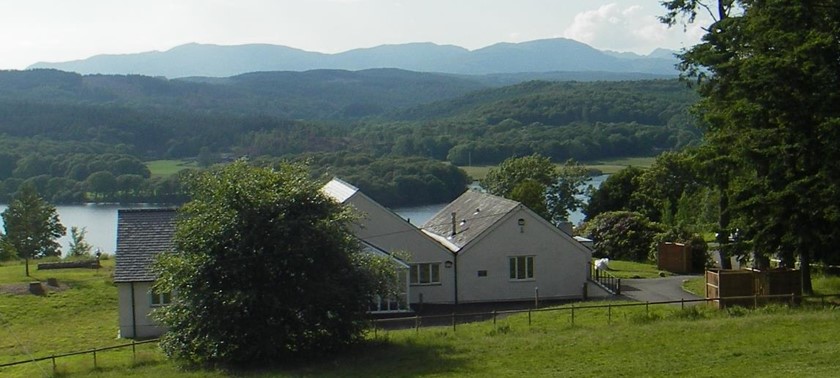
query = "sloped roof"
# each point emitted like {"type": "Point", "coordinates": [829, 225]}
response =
{"type": "Point", "coordinates": [339, 190]}
{"type": "Point", "coordinates": [141, 235]}
{"type": "Point", "coordinates": [475, 212]}
{"type": "Point", "coordinates": [372, 249]}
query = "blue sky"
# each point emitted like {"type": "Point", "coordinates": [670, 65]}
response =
{"type": "Point", "coordinates": [61, 30]}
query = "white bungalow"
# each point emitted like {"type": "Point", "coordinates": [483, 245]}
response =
{"type": "Point", "coordinates": [432, 277]}
{"type": "Point", "coordinates": [505, 252]}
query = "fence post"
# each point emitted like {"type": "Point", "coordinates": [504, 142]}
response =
{"type": "Point", "coordinates": [755, 300]}
{"type": "Point", "coordinates": [682, 303]}
{"type": "Point", "coordinates": [94, 358]}
{"type": "Point", "coordinates": [609, 313]}
{"type": "Point", "coordinates": [529, 317]}
{"type": "Point", "coordinates": [134, 349]}
{"type": "Point", "coordinates": [417, 323]}
{"type": "Point", "coordinates": [792, 299]}
{"type": "Point", "coordinates": [453, 322]}
{"type": "Point", "coordinates": [618, 288]}
{"type": "Point", "coordinates": [647, 311]}
{"type": "Point", "coordinates": [494, 318]}
{"type": "Point", "coordinates": [53, 362]}
{"type": "Point", "coordinates": [573, 315]}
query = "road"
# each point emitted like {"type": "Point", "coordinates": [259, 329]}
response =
{"type": "Point", "coordinates": [656, 289]}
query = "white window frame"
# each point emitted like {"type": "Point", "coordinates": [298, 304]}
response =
{"type": "Point", "coordinates": [416, 274]}
{"type": "Point", "coordinates": [519, 267]}
{"type": "Point", "coordinates": [157, 299]}
{"type": "Point", "coordinates": [399, 303]}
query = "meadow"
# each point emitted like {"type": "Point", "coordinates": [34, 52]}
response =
{"type": "Point", "coordinates": [656, 340]}
{"type": "Point", "coordinates": [608, 166]}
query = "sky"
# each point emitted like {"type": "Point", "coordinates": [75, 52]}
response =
{"type": "Point", "coordinates": [60, 30]}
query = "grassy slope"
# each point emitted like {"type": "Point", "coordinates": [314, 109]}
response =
{"type": "Point", "coordinates": [605, 166]}
{"type": "Point", "coordinates": [667, 341]}
{"type": "Point", "coordinates": [165, 168]}
{"type": "Point", "coordinates": [630, 269]}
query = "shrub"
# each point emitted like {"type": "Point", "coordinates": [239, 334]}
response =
{"type": "Point", "coordinates": [622, 235]}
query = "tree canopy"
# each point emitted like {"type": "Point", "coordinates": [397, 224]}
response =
{"type": "Point", "coordinates": [32, 227]}
{"type": "Point", "coordinates": [538, 184]}
{"type": "Point", "coordinates": [264, 269]}
{"type": "Point", "coordinates": [768, 73]}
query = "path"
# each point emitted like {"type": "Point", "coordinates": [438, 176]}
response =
{"type": "Point", "coordinates": [656, 289]}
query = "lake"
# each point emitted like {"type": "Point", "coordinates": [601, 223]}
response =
{"type": "Point", "coordinates": [101, 219]}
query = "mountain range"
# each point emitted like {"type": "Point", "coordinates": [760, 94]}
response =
{"type": "Point", "coordinates": [539, 56]}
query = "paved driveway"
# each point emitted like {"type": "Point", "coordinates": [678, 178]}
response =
{"type": "Point", "coordinates": [657, 289]}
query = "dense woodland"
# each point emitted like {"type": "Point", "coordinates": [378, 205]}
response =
{"type": "Point", "coordinates": [396, 134]}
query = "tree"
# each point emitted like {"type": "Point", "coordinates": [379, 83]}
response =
{"type": "Point", "coordinates": [661, 186]}
{"type": "Point", "coordinates": [79, 247]}
{"type": "Point", "coordinates": [622, 235]}
{"type": "Point", "coordinates": [615, 193]}
{"type": "Point", "coordinates": [565, 194]}
{"type": "Point", "coordinates": [265, 270]}
{"type": "Point", "coordinates": [500, 181]}
{"type": "Point", "coordinates": [32, 227]}
{"type": "Point", "coordinates": [768, 73]}
{"type": "Point", "coordinates": [102, 183]}
{"type": "Point", "coordinates": [520, 178]}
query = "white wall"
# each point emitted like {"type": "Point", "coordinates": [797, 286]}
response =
{"type": "Point", "coordinates": [560, 263]}
{"type": "Point", "coordinates": [384, 229]}
{"type": "Point", "coordinates": [144, 325]}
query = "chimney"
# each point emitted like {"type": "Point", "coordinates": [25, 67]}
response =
{"type": "Point", "coordinates": [454, 230]}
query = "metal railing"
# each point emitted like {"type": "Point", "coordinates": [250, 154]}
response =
{"type": "Point", "coordinates": [604, 279]}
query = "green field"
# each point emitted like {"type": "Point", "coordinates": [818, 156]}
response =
{"type": "Point", "coordinates": [605, 166]}
{"type": "Point", "coordinates": [165, 168]}
{"type": "Point", "coordinates": [618, 341]}
{"type": "Point", "coordinates": [630, 269]}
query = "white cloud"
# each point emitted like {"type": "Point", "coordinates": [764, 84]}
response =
{"type": "Point", "coordinates": [631, 28]}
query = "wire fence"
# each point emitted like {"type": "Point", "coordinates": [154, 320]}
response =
{"type": "Point", "coordinates": [454, 319]}
{"type": "Point", "coordinates": [53, 357]}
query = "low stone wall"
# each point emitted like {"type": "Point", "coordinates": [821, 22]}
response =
{"type": "Point", "coordinates": [92, 264]}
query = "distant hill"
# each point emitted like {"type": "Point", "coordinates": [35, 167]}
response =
{"type": "Point", "coordinates": [313, 95]}
{"type": "Point", "coordinates": [540, 56]}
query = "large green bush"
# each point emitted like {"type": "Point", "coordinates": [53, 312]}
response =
{"type": "Point", "coordinates": [622, 235]}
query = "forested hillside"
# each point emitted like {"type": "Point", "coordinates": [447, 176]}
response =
{"type": "Point", "coordinates": [392, 131]}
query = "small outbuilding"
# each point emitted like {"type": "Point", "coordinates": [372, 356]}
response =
{"type": "Point", "coordinates": [141, 235]}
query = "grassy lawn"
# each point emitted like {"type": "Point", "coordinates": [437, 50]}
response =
{"type": "Point", "coordinates": [605, 166]}
{"type": "Point", "coordinates": [611, 166]}
{"type": "Point", "coordinates": [630, 269]}
{"type": "Point", "coordinates": [696, 286]}
{"type": "Point", "coordinates": [616, 341]}
{"type": "Point", "coordinates": [165, 168]}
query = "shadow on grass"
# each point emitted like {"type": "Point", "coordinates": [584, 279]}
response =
{"type": "Point", "coordinates": [374, 358]}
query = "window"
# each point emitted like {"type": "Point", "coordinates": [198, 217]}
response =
{"type": "Point", "coordinates": [522, 268]}
{"type": "Point", "coordinates": [425, 274]}
{"type": "Point", "coordinates": [160, 299]}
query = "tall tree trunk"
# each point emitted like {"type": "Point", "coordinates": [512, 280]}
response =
{"type": "Point", "coordinates": [805, 269]}
{"type": "Point", "coordinates": [723, 230]}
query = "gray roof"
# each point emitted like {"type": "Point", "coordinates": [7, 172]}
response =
{"type": "Point", "coordinates": [141, 235]}
{"type": "Point", "coordinates": [339, 190]}
{"type": "Point", "coordinates": [475, 212]}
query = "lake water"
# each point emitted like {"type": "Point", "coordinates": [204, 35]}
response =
{"type": "Point", "coordinates": [101, 219]}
